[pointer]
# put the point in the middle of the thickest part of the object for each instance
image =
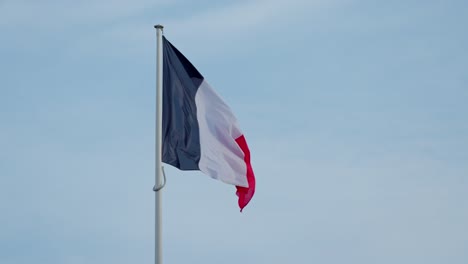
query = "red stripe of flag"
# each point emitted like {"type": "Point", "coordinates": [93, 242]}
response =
{"type": "Point", "coordinates": [246, 193]}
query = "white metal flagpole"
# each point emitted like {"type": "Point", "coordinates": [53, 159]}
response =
{"type": "Point", "coordinates": [158, 169]}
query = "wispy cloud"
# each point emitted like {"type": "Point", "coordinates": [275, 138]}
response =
{"type": "Point", "coordinates": [245, 17]}
{"type": "Point", "coordinates": [225, 25]}
{"type": "Point", "coordinates": [53, 15]}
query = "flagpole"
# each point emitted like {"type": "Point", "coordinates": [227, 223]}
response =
{"type": "Point", "coordinates": [158, 167]}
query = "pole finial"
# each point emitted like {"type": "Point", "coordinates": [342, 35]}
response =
{"type": "Point", "coordinates": [158, 26]}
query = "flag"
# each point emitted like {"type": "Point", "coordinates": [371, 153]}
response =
{"type": "Point", "coordinates": [199, 130]}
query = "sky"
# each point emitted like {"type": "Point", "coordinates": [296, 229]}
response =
{"type": "Point", "coordinates": [355, 112]}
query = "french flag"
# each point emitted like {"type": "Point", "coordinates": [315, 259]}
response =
{"type": "Point", "coordinates": [199, 130]}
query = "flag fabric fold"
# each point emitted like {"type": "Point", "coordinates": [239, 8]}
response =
{"type": "Point", "coordinates": [199, 130]}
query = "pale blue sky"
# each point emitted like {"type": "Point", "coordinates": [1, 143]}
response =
{"type": "Point", "coordinates": [355, 112]}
